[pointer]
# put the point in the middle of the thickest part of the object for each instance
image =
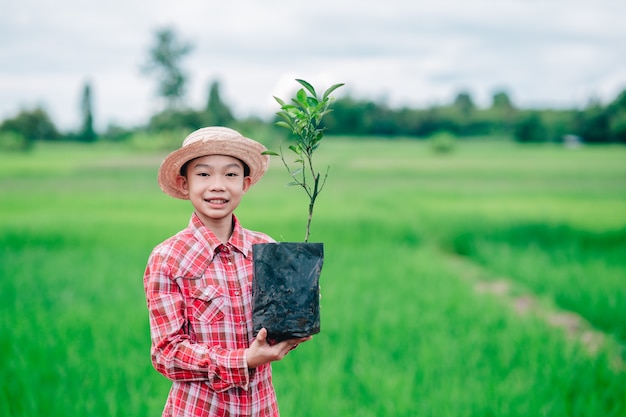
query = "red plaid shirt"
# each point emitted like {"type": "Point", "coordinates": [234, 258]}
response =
{"type": "Point", "coordinates": [199, 296]}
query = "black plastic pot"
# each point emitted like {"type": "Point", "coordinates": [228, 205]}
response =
{"type": "Point", "coordinates": [285, 289]}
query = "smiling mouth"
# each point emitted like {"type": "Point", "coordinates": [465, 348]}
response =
{"type": "Point", "coordinates": [217, 201]}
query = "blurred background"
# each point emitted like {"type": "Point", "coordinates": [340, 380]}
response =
{"type": "Point", "coordinates": [540, 70]}
{"type": "Point", "coordinates": [474, 217]}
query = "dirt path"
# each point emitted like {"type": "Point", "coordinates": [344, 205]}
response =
{"type": "Point", "coordinates": [525, 303]}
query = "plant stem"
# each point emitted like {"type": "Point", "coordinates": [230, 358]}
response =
{"type": "Point", "coordinates": [308, 223]}
{"type": "Point", "coordinates": [303, 117]}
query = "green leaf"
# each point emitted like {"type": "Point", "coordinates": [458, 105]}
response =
{"type": "Point", "coordinates": [285, 116]}
{"type": "Point", "coordinates": [284, 124]}
{"type": "Point", "coordinates": [307, 86]}
{"type": "Point", "coordinates": [312, 102]}
{"type": "Point", "coordinates": [301, 97]}
{"type": "Point", "coordinates": [297, 149]}
{"type": "Point", "coordinates": [281, 102]}
{"type": "Point", "coordinates": [272, 153]}
{"type": "Point", "coordinates": [331, 89]}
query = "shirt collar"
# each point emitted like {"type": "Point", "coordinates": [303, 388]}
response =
{"type": "Point", "coordinates": [238, 240]}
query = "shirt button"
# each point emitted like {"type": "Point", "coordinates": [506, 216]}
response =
{"type": "Point", "coordinates": [242, 323]}
{"type": "Point", "coordinates": [237, 292]}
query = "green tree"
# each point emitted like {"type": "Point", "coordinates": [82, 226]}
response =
{"type": "Point", "coordinates": [173, 120]}
{"type": "Point", "coordinates": [218, 113]}
{"type": "Point", "coordinates": [215, 113]}
{"type": "Point", "coordinates": [530, 128]}
{"type": "Point", "coordinates": [165, 60]}
{"type": "Point", "coordinates": [87, 132]}
{"type": "Point", "coordinates": [617, 122]}
{"type": "Point", "coordinates": [348, 116]}
{"type": "Point", "coordinates": [617, 126]}
{"type": "Point", "coordinates": [464, 104]}
{"type": "Point", "coordinates": [460, 117]}
{"type": "Point", "coordinates": [502, 102]}
{"type": "Point", "coordinates": [594, 123]}
{"type": "Point", "coordinates": [32, 125]}
{"type": "Point", "coordinates": [502, 113]}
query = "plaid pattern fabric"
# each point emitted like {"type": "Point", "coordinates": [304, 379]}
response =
{"type": "Point", "coordinates": [199, 297]}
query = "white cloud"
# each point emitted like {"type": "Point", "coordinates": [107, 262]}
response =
{"type": "Point", "coordinates": [414, 53]}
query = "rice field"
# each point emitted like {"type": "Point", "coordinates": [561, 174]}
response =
{"type": "Point", "coordinates": [490, 281]}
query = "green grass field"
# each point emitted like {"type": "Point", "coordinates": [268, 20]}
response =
{"type": "Point", "coordinates": [487, 282]}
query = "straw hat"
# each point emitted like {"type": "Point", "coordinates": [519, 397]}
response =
{"type": "Point", "coordinates": [213, 140]}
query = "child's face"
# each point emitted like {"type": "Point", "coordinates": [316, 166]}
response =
{"type": "Point", "coordinates": [215, 185]}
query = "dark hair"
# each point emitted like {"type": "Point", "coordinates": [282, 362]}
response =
{"type": "Point", "coordinates": [246, 168]}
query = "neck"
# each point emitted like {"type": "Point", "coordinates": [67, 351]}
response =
{"type": "Point", "coordinates": [221, 228]}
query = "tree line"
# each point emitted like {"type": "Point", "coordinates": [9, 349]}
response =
{"type": "Point", "coordinates": [595, 123]}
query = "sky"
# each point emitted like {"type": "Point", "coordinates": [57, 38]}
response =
{"type": "Point", "coordinates": [543, 53]}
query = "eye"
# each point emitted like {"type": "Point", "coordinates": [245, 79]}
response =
{"type": "Point", "coordinates": [203, 174]}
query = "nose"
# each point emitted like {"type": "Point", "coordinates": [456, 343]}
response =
{"type": "Point", "coordinates": [217, 183]}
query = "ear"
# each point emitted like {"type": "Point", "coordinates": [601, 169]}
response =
{"type": "Point", "coordinates": [182, 184]}
{"type": "Point", "coordinates": [246, 183]}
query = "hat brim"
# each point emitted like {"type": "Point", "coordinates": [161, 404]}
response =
{"type": "Point", "coordinates": [247, 150]}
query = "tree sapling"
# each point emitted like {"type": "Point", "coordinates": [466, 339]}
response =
{"type": "Point", "coordinates": [285, 288]}
{"type": "Point", "coordinates": [303, 116]}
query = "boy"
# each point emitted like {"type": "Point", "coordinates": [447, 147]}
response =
{"type": "Point", "coordinates": [198, 284]}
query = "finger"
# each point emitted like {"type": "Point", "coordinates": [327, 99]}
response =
{"type": "Point", "coordinates": [289, 348]}
{"type": "Point", "coordinates": [300, 340]}
{"type": "Point", "coordinates": [262, 335]}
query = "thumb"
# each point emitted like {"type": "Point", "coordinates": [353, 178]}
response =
{"type": "Point", "coordinates": [262, 335]}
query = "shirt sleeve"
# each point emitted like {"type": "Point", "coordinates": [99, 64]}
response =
{"type": "Point", "coordinates": [174, 352]}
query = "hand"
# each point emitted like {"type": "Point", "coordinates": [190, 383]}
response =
{"type": "Point", "coordinates": [261, 352]}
